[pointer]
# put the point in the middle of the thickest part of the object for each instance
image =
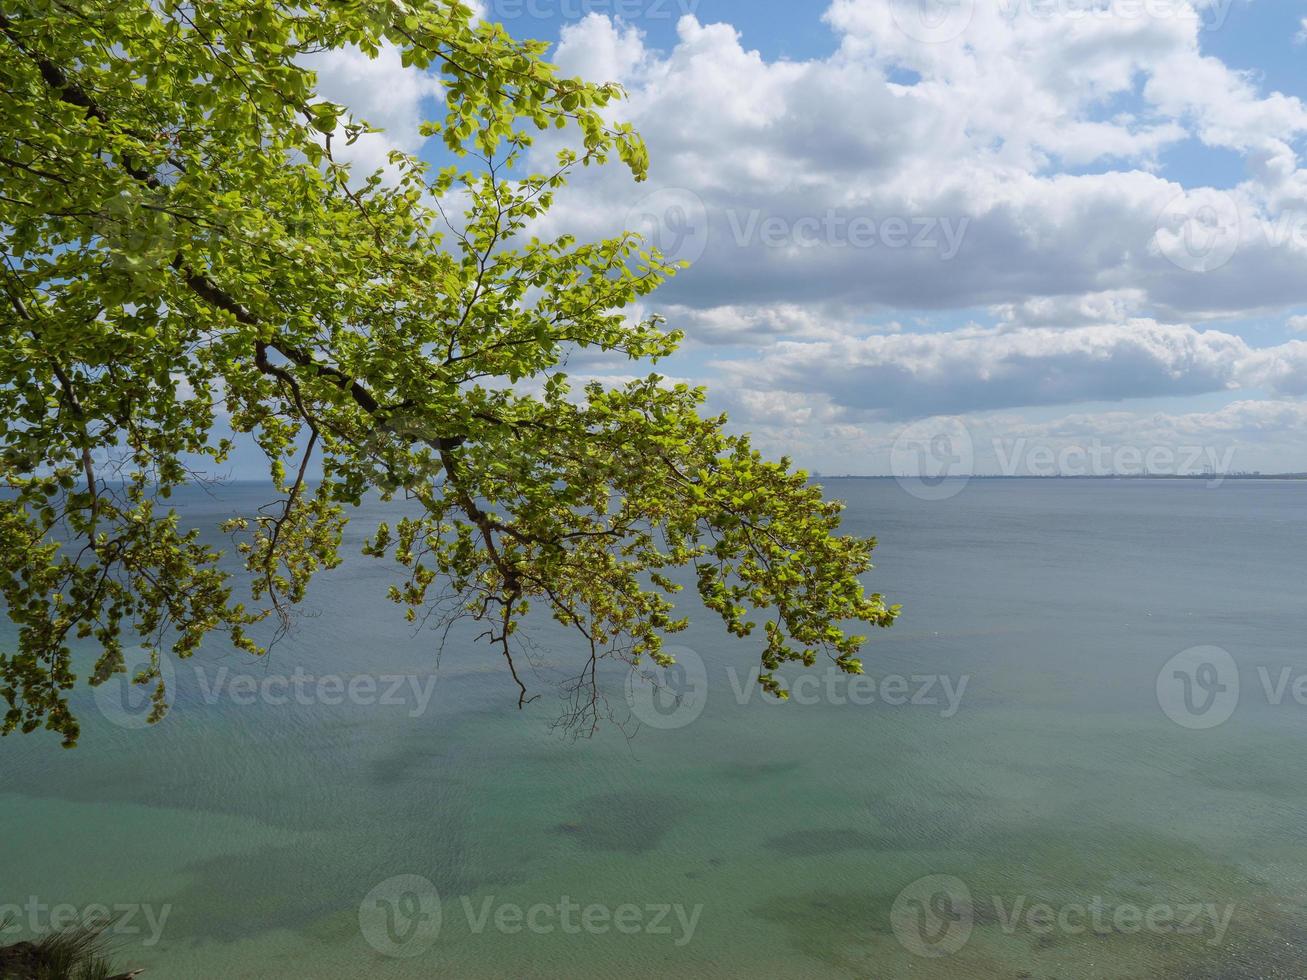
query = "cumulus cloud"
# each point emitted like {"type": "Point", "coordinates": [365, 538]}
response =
{"type": "Point", "coordinates": [757, 324]}
{"type": "Point", "coordinates": [599, 49]}
{"type": "Point", "coordinates": [1241, 436]}
{"type": "Point", "coordinates": [1003, 167]}
{"type": "Point", "coordinates": [382, 91]}
{"type": "Point", "coordinates": [1243, 419]}
{"type": "Point", "coordinates": [1280, 369]}
{"type": "Point", "coordinates": [1073, 311]}
{"type": "Point", "coordinates": [977, 369]}
{"type": "Point", "coordinates": [1033, 136]}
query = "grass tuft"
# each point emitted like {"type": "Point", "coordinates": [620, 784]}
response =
{"type": "Point", "coordinates": [79, 953]}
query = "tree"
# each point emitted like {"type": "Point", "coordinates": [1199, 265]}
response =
{"type": "Point", "coordinates": [179, 235]}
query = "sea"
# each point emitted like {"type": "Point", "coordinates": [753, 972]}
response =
{"type": "Point", "coordinates": [1078, 754]}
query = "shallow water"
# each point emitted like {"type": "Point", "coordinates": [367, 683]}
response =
{"type": "Point", "coordinates": [1036, 769]}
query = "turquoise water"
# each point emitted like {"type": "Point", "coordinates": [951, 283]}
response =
{"type": "Point", "coordinates": [250, 829]}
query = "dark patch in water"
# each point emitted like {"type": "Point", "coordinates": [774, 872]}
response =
{"type": "Point", "coordinates": [925, 823]}
{"type": "Point", "coordinates": [751, 771]}
{"type": "Point", "coordinates": [296, 888]}
{"type": "Point", "coordinates": [831, 927]}
{"type": "Point", "coordinates": [313, 886]}
{"type": "Point", "coordinates": [814, 843]}
{"type": "Point", "coordinates": [624, 823]}
{"type": "Point", "coordinates": [405, 764]}
{"type": "Point", "coordinates": [1261, 772]}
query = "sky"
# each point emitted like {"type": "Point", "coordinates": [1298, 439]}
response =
{"type": "Point", "coordinates": [1025, 236]}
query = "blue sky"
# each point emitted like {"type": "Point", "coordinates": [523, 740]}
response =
{"type": "Point", "coordinates": [1047, 222]}
{"type": "Point", "coordinates": [777, 28]}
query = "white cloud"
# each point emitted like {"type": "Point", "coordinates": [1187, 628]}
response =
{"type": "Point", "coordinates": [1040, 134]}
{"type": "Point", "coordinates": [979, 369]}
{"type": "Point", "coordinates": [1073, 311]}
{"type": "Point", "coordinates": [1243, 419]}
{"type": "Point", "coordinates": [757, 324]}
{"type": "Point", "coordinates": [1024, 154]}
{"type": "Point", "coordinates": [1241, 436]}
{"type": "Point", "coordinates": [380, 90]}
{"type": "Point", "coordinates": [1280, 369]}
{"type": "Point", "coordinates": [599, 49]}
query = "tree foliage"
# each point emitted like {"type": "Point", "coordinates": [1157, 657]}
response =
{"type": "Point", "coordinates": [182, 242]}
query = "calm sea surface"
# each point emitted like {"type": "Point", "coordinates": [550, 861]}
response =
{"type": "Point", "coordinates": [306, 816]}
